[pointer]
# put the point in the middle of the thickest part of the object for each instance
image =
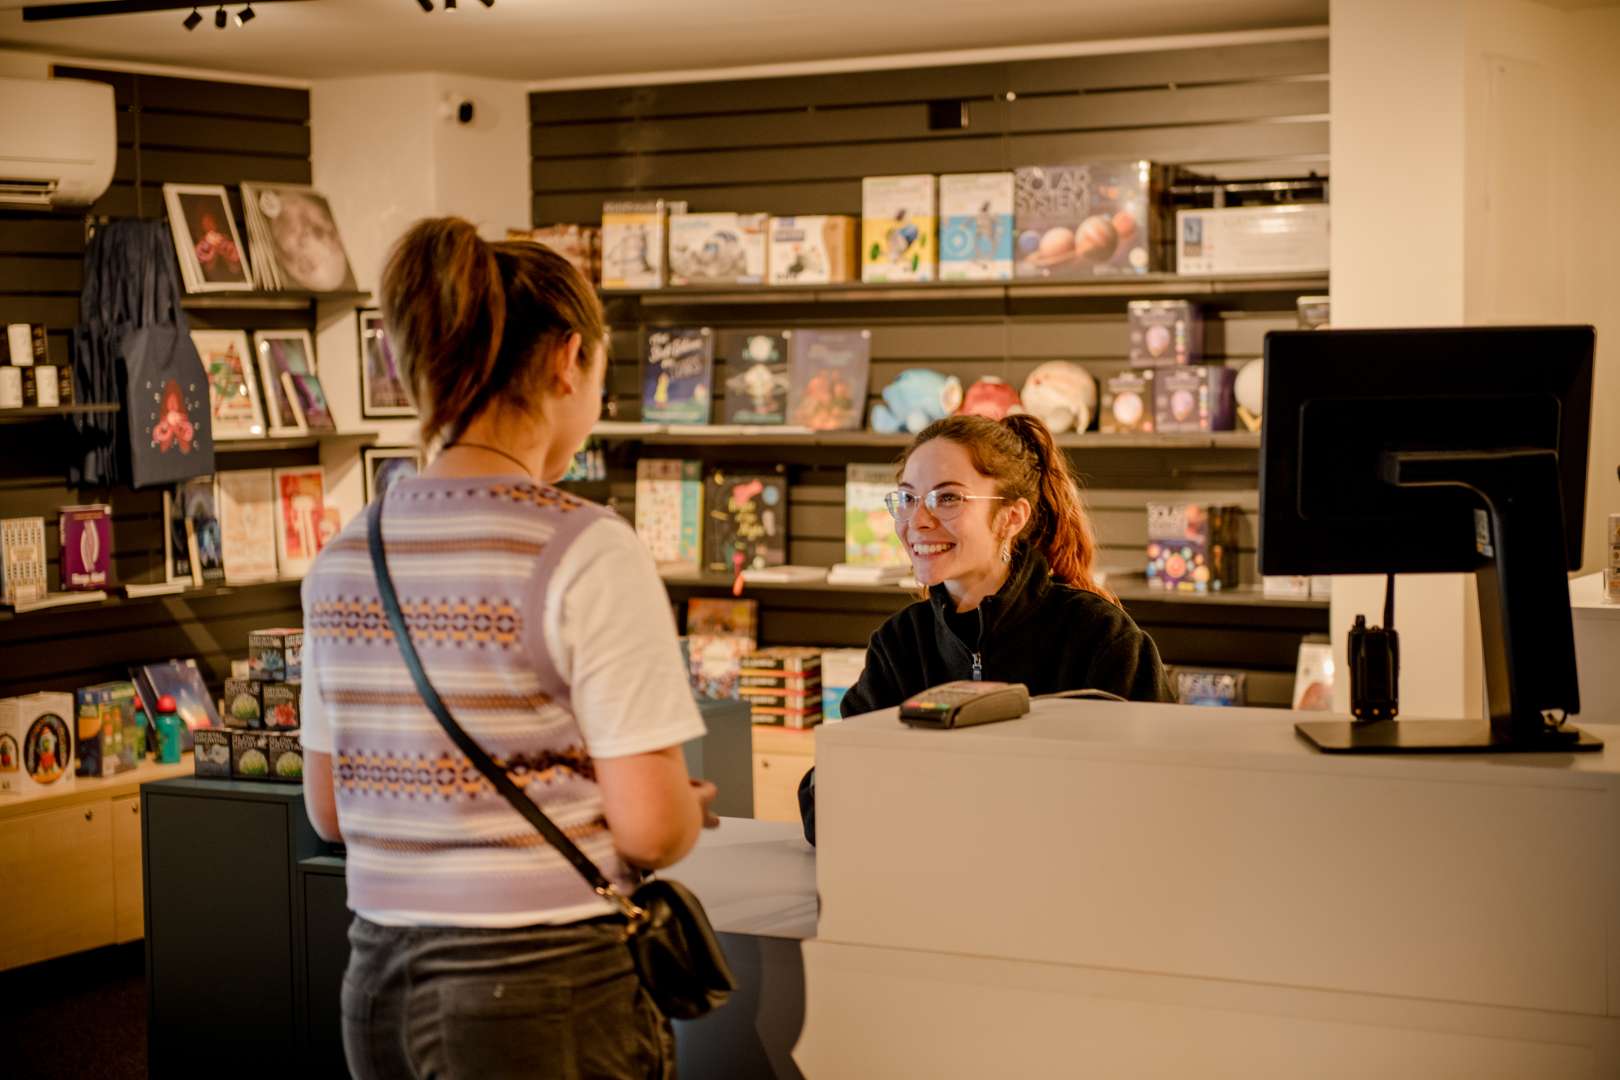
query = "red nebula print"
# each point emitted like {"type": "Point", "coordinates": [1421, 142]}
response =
{"type": "Point", "coordinates": [174, 428]}
{"type": "Point", "coordinates": [213, 245]}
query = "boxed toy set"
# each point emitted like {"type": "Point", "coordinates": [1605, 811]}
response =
{"type": "Point", "coordinates": [36, 743]}
{"type": "Point", "coordinates": [111, 737]}
{"type": "Point", "coordinates": [282, 702]}
{"type": "Point", "coordinates": [1127, 403]}
{"type": "Point", "coordinates": [817, 249]}
{"type": "Point", "coordinates": [276, 655]}
{"type": "Point", "coordinates": [976, 227]}
{"type": "Point", "coordinates": [633, 242]}
{"type": "Point", "coordinates": [1095, 220]}
{"type": "Point", "coordinates": [1192, 547]}
{"type": "Point", "coordinates": [1165, 332]}
{"type": "Point", "coordinates": [898, 224]}
{"type": "Point", "coordinates": [1193, 398]}
{"type": "Point", "coordinates": [1219, 688]}
{"type": "Point", "coordinates": [244, 703]}
{"type": "Point", "coordinates": [717, 249]}
{"type": "Point", "coordinates": [1286, 239]}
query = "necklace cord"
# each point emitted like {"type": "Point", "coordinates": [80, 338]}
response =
{"type": "Point", "coordinates": [493, 450]}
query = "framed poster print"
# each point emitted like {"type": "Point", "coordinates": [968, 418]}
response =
{"type": "Point", "coordinates": [246, 502]}
{"type": "Point", "coordinates": [298, 236]}
{"type": "Point", "coordinates": [283, 352]}
{"type": "Point", "coordinates": [205, 238]}
{"type": "Point", "coordinates": [233, 392]}
{"type": "Point", "coordinates": [302, 522]}
{"type": "Point", "coordinates": [308, 399]}
{"type": "Point", "coordinates": [382, 387]}
{"type": "Point", "coordinates": [386, 464]}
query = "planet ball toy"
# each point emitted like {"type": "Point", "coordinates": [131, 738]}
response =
{"type": "Point", "coordinates": [1249, 389]}
{"type": "Point", "coordinates": [1097, 239]}
{"type": "Point", "coordinates": [990, 397]}
{"type": "Point", "coordinates": [1056, 246]}
{"type": "Point", "coordinates": [1124, 223]}
{"type": "Point", "coordinates": [1029, 242]}
{"type": "Point", "coordinates": [1062, 395]}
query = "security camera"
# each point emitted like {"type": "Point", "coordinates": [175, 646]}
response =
{"type": "Point", "coordinates": [464, 111]}
{"type": "Point", "coordinates": [458, 107]}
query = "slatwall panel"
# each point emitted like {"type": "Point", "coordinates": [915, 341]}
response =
{"type": "Point", "coordinates": [802, 145]}
{"type": "Point", "coordinates": [169, 130]}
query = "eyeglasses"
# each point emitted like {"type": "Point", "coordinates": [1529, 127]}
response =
{"type": "Point", "coordinates": [944, 505]}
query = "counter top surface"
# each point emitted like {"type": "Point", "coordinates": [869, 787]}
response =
{"type": "Point", "coordinates": [754, 877]}
{"type": "Point", "coordinates": [1261, 739]}
{"type": "Point", "coordinates": [1586, 598]}
{"type": "Point", "coordinates": [85, 789]}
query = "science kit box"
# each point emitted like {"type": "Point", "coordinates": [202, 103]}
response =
{"type": "Point", "coordinates": [1127, 402]}
{"type": "Point", "coordinates": [1165, 332]}
{"type": "Point", "coordinates": [211, 753]}
{"type": "Point", "coordinates": [276, 655]}
{"type": "Point", "coordinates": [109, 738]}
{"type": "Point", "coordinates": [1219, 688]}
{"type": "Point", "coordinates": [1286, 239]}
{"type": "Point", "coordinates": [36, 743]}
{"type": "Point", "coordinates": [717, 249]}
{"type": "Point", "coordinates": [1193, 398]}
{"type": "Point", "coordinates": [976, 226]}
{"type": "Point", "coordinates": [817, 249]}
{"type": "Point", "coordinates": [1097, 220]}
{"type": "Point", "coordinates": [282, 704]}
{"type": "Point", "coordinates": [1192, 547]}
{"type": "Point", "coordinates": [898, 224]}
{"type": "Point", "coordinates": [244, 703]}
{"type": "Point", "coordinates": [633, 242]}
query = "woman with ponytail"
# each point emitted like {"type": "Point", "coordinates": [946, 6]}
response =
{"type": "Point", "coordinates": [991, 517]}
{"type": "Point", "coordinates": [476, 949]}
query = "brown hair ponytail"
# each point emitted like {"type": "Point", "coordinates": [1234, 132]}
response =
{"type": "Point", "coordinates": [1020, 454]}
{"type": "Point", "coordinates": [472, 322]}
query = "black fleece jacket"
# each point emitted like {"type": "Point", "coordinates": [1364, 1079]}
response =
{"type": "Point", "coordinates": [1035, 630]}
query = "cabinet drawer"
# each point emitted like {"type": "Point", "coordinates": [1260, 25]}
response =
{"type": "Point", "coordinates": [776, 785]}
{"type": "Point", "coordinates": [129, 900]}
{"type": "Point", "coordinates": [56, 883]}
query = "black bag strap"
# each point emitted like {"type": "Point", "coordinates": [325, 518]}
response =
{"type": "Point", "coordinates": [464, 742]}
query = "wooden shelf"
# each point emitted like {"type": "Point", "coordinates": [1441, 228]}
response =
{"type": "Point", "coordinates": [1142, 286]}
{"type": "Point", "coordinates": [90, 789]}
{"type": "Point", "coordinates": [269, 301]}
{"type": "Point", "coordinates": [207, 592]}
{"type": "Point", "coordinates": [767, 435]}
{"type": "Point", "coordinates": [289, 442]}
{"type": "Point", "coordinates": [60, 412]}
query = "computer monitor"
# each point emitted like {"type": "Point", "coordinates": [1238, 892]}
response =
{"type": "Point", "coordinates": [1439, 451]}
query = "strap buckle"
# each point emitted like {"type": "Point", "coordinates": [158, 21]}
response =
{"type": "Point", "coordinates": [629, 909]}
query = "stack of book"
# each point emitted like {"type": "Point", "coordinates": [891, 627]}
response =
{"type": "Point", "coordinates": [852, 574]}
{"type": "Point", "coordinates": [782, 685]}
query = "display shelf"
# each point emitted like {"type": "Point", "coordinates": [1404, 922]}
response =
{"type": "Point", "coordinates": [1143, 286]}
{"type": "Point", "coordinates": [269, 301]}
{"type": "Point", "coordinates": [767, 435]}
{"type": "Point", "coordinates": [206, 592]}
{"type": "Point", "coordinates": [93, 789]}
{"type": "Point", "coordinates": [59, 412]}
{"type": "Point", "coordinates": [289, 442]}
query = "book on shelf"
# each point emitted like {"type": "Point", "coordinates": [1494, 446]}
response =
{"type": "Point", "coordinates": [138, 589]}
{"type": "Point", "coordinates": [897, 228]}
{"type": "Point", "coordinates": [784, 574]}
{"type": "Point", "coordinates": [870, 537]}
{"type": "Point", "coordinates": [755, 365]}
{"type": "Point", "coordinates": [304, 523]}
{"type": "Point", "coordinates": [58, 599]}
{"type": "Point", "coordinates": [193, 547]}
{"type": "Point", "coordinates": [868, 573]}
{"type": "Point", "coordinates": [633, 242]}
{"type": "Point", "coordinates": [719, 633]}
{"type": "Point", "coordinates": [86, 533]}
{"type": "Point", "coordinates": [669, 512]}
{"type": "Point", "coordinates": [22, 559]}
{"type": "Point", "coordinates": [745, 523]}
{"type": "Point", "coordinates": [840, 670]}
{"type": "Point", "coordinates": [678, 376]}
{"type": "Point", "coordinates": [828, 372]}
{"type": "Point", "coordinates": [246, 502]}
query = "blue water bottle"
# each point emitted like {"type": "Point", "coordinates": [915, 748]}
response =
{"type": "Point", "coordinates": [168, 731]}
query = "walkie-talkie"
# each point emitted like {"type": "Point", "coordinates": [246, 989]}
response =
{"type": "Point", "coordinates": [1375, 664]}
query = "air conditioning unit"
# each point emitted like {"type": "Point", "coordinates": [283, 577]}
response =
{"type": "Point", "coordinates": [58, 142]}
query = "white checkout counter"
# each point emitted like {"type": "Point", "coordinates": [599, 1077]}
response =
{"type": "Point", "coordinates": [1108, 889]}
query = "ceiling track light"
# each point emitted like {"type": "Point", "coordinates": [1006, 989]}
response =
{"type": "Point", "coordinates": [449, 5]}
{"type": "Point", "coordinates": [427, 5]}
{"type": "Point", "coordinates": [190, 21]}
{"type": "Point", "coordinates": [245, 15]}
{"type": "Point", "coordinates": [219, 18]}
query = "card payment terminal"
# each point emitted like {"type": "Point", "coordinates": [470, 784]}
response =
{"type": "Point", "coordinates": [964, 703]}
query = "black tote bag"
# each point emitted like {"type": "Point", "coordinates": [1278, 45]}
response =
{"type": "Point", "coordinates": [170, 423]}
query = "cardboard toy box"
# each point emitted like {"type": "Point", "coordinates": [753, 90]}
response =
{"type": "Point", "coordinates": [282, 704]}
{"type": "Point", "coordinates": [1285, 239]}
{"type": "Point", "coordinates": [276, 655]}
{"type": "Point", "coordinates": [898, 228]}
{"type": "Point", "coordinates": [818, 249]}
{"type": "Point", "coordinates": [1127, 403]}
{"type": "Point", "coordinates": [211, 753]}
{"type": "Point", "coordinates": [243, 703]}
{"type": "Point", "coordinates": [110, 740]}
{"type": "Point", "coordinates": [1193, 398]}
{"type": "Point", "coordinates": [1103, 219]}
{"type": "Point", "coordinates": [36, 743]}
{"type": "Point", "coordinates": [976, 227]}
{"type": "Point", "coordinates": [1192, 547]}
{"type": "Point", "coordinates": [1165, 332]}
{"type": "Point", "coordinates": [276, 756]}
{"type": "Point", "coordinates": [1220, 688]}
{"type": "Point", "coordinates": [634, 243]}
{"type": "Point", "coordinates": [717, 249]}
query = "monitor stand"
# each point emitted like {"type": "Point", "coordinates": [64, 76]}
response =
{"type": "Point", "coordinates": [1524, 616]}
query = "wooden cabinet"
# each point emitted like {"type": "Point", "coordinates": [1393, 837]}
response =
{"type": "Point", "coordinates": [781, 758]}
{"type": "Point", "coordinates": [129, 899]}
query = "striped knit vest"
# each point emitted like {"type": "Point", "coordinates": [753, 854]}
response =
{"type": "Point", "coordinates": [427, 835]}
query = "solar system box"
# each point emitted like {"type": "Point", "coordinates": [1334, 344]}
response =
{"type": "Point", "coordinates": [37, 743]}
{"type": "Point", "coordinates": [1197, 397]}
{"type": "Point", "coordinates": [1127, 402]}
{"type": "Point", "coordinates": [1192, 547]}
{"type": "Point", "coordinates": [1104, 219]}
{"type": "Point", "coordinates": [1165, 332]}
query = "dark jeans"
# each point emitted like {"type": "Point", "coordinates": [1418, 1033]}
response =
{"type": "Point", "coordinates": [539, 1001]}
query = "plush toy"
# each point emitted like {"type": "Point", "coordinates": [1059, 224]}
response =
{"type": "Point", "coordinates": [916, 398]}
{"type": "Point", "coordinates": [1062, 395]}
{"type": "Point", "coordinates": [990, 397]}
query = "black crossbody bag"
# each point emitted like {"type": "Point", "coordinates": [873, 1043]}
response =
{"type": "Point", "coordinates": [676, 952]}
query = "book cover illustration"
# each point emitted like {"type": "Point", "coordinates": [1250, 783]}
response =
{"type": "Point", "coordinates": [308, 398]}
{"type": "Point", "coordinates": [233, 392]}
{"type": "Point", "coordinates": [246, 503]}
{"type": "Point", "coordinates": [633, 244]}
{"type": "Point", "coordinates": [717, 249]}
{"type": "Point", "coordinates": [86, 546]}
{"type": "Point", "coordinates": [201, 530]}
{"type": "Point", "coordinates": [746, 526]}
{"type": "Point", "coordinates": [182, 681]}
{"type": "Point", "coordinates": [719, 634]}
{"type": "Point", "coordinates": [677, 378]}
{"type": "Point", "coordinates": [303, 525]}
{"type": "Point", "coordinates": [897, 228]}
{"type": "Point", "coordinates": [283, 352]}
{"type": "Point", "coordinates": [669, 512]}
{"type": "Point", "coordinates": [870, 537]}
{"type": "Point", "coordinates": [22, 560]}
{"type": "Point", "coordinates": [828, 375]}
{"type": "Point", "coordinates": [976, 227]}
{"type": "Point", "coordinates": [756, 370]}
{"type": "Point", "coordinates": [1087, 220]}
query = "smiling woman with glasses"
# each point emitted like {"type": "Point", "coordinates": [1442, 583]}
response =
{"type": "Point", "coordinates": [991, 518]}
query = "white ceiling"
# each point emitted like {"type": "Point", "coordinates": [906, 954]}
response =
{"type": "Point", "coordinates": [531, 40]}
